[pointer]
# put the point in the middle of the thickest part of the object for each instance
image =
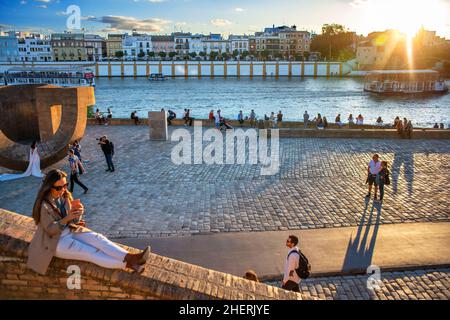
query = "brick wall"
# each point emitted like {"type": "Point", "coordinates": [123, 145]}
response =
{"type": "Point", "coordinates": [164, 278]}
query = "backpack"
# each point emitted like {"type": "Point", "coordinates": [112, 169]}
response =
{"type": "Point", "coordinates": [304, 268]}
{"type": "Point", "coordinates": [112, 147]}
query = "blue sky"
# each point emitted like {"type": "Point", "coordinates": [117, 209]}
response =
{"type": "Point", "coordinates": [230, 16]}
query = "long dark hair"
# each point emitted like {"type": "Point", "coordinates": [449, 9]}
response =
{"type": "Point", "coordinates": [50, 179]}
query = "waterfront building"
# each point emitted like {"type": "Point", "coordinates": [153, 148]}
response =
{"type": "Point", "coordinates": [163, 43]}
{"type": "Point", "coordinates": [182, 43]}
{"type": "Point", "coordinates": [94, 47]}
{"type": "Point", "coordinates": [68, 47]}
{"type": "Point", "coordinates": [196, 44]}
{"type": "Point", "coordinates": [215, 43]}
{"type": "Point", "coordinates": [143, 46]}
{"type": "Point", "coordinates": [240, 43]}
{"type": "Point", "coordinates": [279, 42]}
{"type": "Point", "coordinates": [129, 46]}
{"type": "Point", "coordinates": [114, 45]}
{"type": "Point", "coordinates": [35, 48]}
{"type": "Point", "coordinates": [427, 38]}
{"type": "Point", "coordinates": [9, 47]}
{"type": "Point", "coordinates": [376, 51]}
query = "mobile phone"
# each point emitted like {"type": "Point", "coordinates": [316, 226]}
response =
{"type": "Point", "coordinates": [76, 204]}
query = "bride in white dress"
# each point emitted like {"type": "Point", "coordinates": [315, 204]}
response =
{"type": "Point", "coordinates": [34, 168]}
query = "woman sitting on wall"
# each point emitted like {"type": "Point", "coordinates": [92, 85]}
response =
{"type": "Point", "coordinates": [61, 233]}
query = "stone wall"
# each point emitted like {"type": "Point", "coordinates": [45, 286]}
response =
{"type": "Point", "coordinates": [164, 278]}
{"type": "Point", "coordinates": [290, 129]}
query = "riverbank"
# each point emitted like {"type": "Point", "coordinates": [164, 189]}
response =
{"type": "Point", "coordinates": [291, 129]}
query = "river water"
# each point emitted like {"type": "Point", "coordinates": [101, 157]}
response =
{"type": "Point", "coordinates": [292, 96]}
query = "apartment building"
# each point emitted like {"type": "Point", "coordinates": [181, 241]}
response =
{"type": "Point", "coordinates": [68, 47]}
{"type": "Point", "coordinates": [113, 45]}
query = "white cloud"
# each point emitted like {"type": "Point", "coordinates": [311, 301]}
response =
{"type": "Point", "coordinates": [239, 10]}
{"type": "Point", "coordinates": [220, 22]}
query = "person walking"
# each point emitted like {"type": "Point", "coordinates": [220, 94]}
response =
{"type": "Point", "coordinates": [305, 119]}
{"type": "Point", "coordinates": [217, 119]}
{"type": "Point", "coordinates": [291, 279]}
{"type": "Point", "coordinates": [108, 117]}
{"type": "Point", "coordinates": [373, 169]}
{"type": "Point", "coordinates": [171, 116]}
{"type": "Point", "coordinates": [62, 234]}
{"type": "Point", "coordinates": [408, 130]}
{"type": "Point", "coordinates": [383, 178]}
{"type": "Point", "coordinates": [108, 150]}
{"type": "Point", "coordinates": [279, 119]}
{"type": "Point", "coordinates": [75, 164]}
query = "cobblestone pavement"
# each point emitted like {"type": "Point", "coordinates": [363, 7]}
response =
{"type": "Point", "coordinates": [321, 184]}
{"type": "Point", "coordinates": [409, 285]}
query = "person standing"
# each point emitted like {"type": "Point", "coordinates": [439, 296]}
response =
{"type": "Point", "coordinates": [241, 118]}
{"type": "Point", "coordinates": [338, 121]}
{"type": "Point", "coordinates": [75, 164]}
{"type": "Point", "coordinates": [383, 178]}
{"type": "Point", "coordinates": [350, 120]}
{"type": "Point", "coordinates": [252, 118]}
{"type": "Point", "coordinates": [291, 279]}
{"type": "Point", "coordinates": [172, 116]}
{"type": "Point", "coordinates": [108, 150]}
{"type": "Point", "coordinates": [217, 119]}
{"type": "Point", "coordinates": [108, 117]}
{"type": "Point", "coordinates": [211, 116]}
{"type": "Point", "coordinates": [306, 119]}
{"type": "Point", "coordinates": [373, 170]}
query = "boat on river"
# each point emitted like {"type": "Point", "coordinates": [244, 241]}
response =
{"type": "Point", "coordinates": [404, 82]}
{"type": "Point", "coordinates": [157, 77]}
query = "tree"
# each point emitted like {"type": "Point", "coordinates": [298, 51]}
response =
{"type": "Point", "coordinates": [235, 53]}
{"type": "Point", "coordinates": [306, 55]}
{"type": "Point", "coordinates": [119, 54]}
{"type": "Point", "coordinates": [334, 39]}
{"type": "Point", "coordinates": [141, 54]}
{"type": "Point", "coordinates": [213, 55]}
{"type": "Point", "coordinates": [202, 54]}
{"type": "Point", "coordinates": [245, 54]}
{"type": "Point", "coordinates": [224, 56]}
{"type": "Point", "coordinates": [162, 54]}
{"type": "Point", "coordinates": [151, 54]}
{"type": "Point", "coordinates": [264, 54]}
{"type": "Point", "coordinates": [172, 54]}
{"type": "Point", "coordinates": [193, 55]}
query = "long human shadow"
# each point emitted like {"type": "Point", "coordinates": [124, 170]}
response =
{"type": "Point", "coordinates": [360, 249]}
{"type": "Point", "coordinates": [405, 158]}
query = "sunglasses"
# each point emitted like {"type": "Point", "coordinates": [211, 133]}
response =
{"type": "Point", "coordinates": [59, 188]}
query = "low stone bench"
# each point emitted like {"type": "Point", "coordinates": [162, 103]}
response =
{"type": "Point", "coordinates": [363, 133]}
{"type": "Point", "coordinates": [163, 279]}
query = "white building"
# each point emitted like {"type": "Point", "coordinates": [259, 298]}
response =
{"type": "Point", "coordinates": [215, 43]}
{"type": "Point", "coordinates": [239, 43]}
{"type": "Point", "coordinates": [36, 48]}
{"type": "Point", "coordinates": [196, 44]}
{"type": "Point", "coordinates": [143, 45]}
{"type": "Point", "coordinates": [182, 43]}
{"type": "Point", "coordinates": [129, 45]}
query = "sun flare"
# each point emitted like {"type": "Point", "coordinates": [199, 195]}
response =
{"type": "Point", "coordinates": [407, 16]}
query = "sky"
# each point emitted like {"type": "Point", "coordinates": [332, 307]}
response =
{"type": "Point", "coordinates": [226, 17]}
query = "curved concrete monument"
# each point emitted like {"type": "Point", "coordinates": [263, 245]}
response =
{"type": "Point", "coordinates": [52, 115]}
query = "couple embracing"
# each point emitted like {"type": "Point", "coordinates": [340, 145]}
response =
{"type": "Point", "coordinates": [378, 175]}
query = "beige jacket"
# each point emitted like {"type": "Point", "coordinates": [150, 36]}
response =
{"type": "Point", "coordinates": [43, 246]}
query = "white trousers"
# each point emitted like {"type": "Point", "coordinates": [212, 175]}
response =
{"type": "Point", "coordinates": [91, 247]}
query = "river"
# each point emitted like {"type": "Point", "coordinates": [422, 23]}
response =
{"type": "Point", "coordinates": [292, 96]}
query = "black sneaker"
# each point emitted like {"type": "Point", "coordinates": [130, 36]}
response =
{"type": "Point", "coordinates": [368, 195]}
{"type": "Point", "coordinates": [108, 170]}
{"type": "Point", "coordinates": [86, 191]}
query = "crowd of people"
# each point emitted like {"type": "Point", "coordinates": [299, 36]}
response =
{"type": "Point", "coordinates": [320, 122]}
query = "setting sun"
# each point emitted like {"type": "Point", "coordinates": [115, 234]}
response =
{"type": "Point", "coordinates": [406, 16]}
